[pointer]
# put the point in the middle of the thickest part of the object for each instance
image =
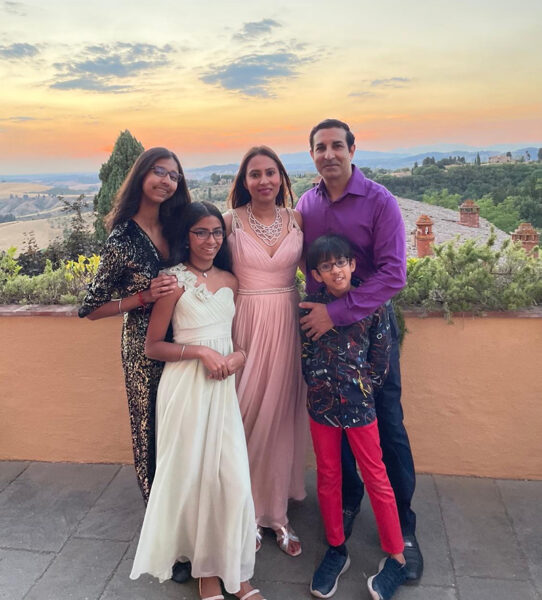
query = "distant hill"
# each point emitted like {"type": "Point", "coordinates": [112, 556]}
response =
{"type": "Point", "coordinates": [54, 179]}
{"type": "Point", "coordinates": [300, 162]}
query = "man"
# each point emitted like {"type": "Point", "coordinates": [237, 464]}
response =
{"type": "Point", "coordinates": [348, 203]}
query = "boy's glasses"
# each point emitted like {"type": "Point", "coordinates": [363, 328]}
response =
{"type": "Point", "coordinates": [203, 234]}
{"type": "Point", "coordinates": [325, 267]}
{"type": "Point", "coordinates": [161, 172]}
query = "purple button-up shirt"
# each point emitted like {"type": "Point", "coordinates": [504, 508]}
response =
{"type": "Point", "coordinates": [369, 216]}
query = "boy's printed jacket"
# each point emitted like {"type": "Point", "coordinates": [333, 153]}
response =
{"type": "Point", "coordinates": [344, 367]}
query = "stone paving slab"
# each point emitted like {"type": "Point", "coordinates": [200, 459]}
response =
{"type": "Point", "coordinates": [118, 514]}
{"type": "Point", "coordinates": [43, 506]}
{"type": "Point", "coordinates": [71, 531]}
{"type": "Point", "coordinates": [121, 587]}
{"type": "Point", "coordinates": [81, 570]}
{"type": "Point", "coordinates": [18, 571]}
{"type": "Point", "coordinates": [432, 534]}
{"type": "Point", "coordinates": [523, 500]}
{"type": "Point", "coordinates": [423, 592]}
{"type": "Point", "coordinates": [477, 588]}
{"type": "Point", "coordinates": [9, 471]}
{"type": "Point", "coordinates": [479, 530]}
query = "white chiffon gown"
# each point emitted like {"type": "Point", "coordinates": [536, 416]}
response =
{"type": "Point", "coordinates": [200, 507]}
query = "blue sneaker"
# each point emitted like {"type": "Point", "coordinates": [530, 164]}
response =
{"type": "Point", "coordinates": [326, 577]}
{"type": "Point", "coordinates": [391, 574]}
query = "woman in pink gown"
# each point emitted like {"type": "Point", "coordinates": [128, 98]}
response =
{"type": "Point", "coordinates": [266, 241]}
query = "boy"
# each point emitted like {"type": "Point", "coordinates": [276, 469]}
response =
{"type": "Point", "coordinates": [341, 369]}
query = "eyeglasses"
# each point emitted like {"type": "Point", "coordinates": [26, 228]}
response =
{"type": "Point", "coordinates": [327, 266]}
{"type": "Point", "coordinates": [161, 172]}
{"type": "Point", "coordinates": [203, 234]}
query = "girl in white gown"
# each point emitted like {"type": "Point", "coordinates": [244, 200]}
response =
{"type": "Point", "coordinates": [200, 507]}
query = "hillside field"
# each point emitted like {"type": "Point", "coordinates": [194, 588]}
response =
{"type": "Point", "coordinates": [14, 187]}
{"type": "Point", "coordinates": [45, 231]}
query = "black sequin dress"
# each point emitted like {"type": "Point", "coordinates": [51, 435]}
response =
{"type": "Point", "coordinates": [129, 260]}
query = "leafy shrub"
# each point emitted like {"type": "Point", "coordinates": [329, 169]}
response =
{"type": "Point", "coordinates": [63, 285]}
{"type": "Point", "coordinates": [474, 278]}
{"type": "Point", "coordinates": [9, 267]}
{"type": "Point", "coordinates": [459, 277]}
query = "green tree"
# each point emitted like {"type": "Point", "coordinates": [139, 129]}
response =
{"type": "Point", "coordinates": [112, 174]}
{"type": "Point", "coordinates": [504, 215]}
{"type": "Point", "coordinates": [442, 198]}
{"type": "Point", "coordinates": [301, 184]}
{"type": "Point", "coordinates": [31, 260]}
{"type": "Point", "coordinates": [78, 239]}
{"type": "Point", "coordinates": [540, 154]}
{"type": "Point", "coordinates": [477, 160]}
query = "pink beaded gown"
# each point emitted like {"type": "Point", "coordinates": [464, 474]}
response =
{"type": "Point", "coordinates": [270, 388]}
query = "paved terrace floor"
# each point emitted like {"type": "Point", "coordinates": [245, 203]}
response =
{"type": "Point", "coordinates": [69, 531]}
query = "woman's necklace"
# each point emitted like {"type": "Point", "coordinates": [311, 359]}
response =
{"type": "Point", "coordinates": [202, 271]}
{"type": "Point", "coordinates": [269, 234]}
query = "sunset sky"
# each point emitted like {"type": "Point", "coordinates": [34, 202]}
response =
{"type": "Point", "coordinates": [210, 78]}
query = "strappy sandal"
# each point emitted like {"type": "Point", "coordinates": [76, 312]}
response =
{"type": "Point", "coordinates": [219, 597]}
{"type": "Point", "coordinates": [285, 535]}
{"type": "Point", "coordinates": [250, 594]}
{"type": "Point", "coordinates": [259, 537]}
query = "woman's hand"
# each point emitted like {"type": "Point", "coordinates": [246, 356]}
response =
{"type": "Point", "coordinates": [235, 361]}
{"type": "Point", "coordinates": [215, 363]}
{"type": "Point", "coordinates": [161, 286]}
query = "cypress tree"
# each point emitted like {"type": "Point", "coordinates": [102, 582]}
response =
{"type": "Point", "coordinates": [112, 174]}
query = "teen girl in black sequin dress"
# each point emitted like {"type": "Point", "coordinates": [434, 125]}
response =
{"type": "Point", "coordinates": [143, 220]}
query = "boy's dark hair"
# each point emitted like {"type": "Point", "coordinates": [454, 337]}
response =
{"type": "Point", "coordinates": [326, 247]}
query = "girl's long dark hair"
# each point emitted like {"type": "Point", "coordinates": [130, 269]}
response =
{"type": "Point", "coordinates": [239, 194]}
{"type": "Point", "coordinates": [128, 198]}
{"type": "Point", "coordinates": [194, 212]}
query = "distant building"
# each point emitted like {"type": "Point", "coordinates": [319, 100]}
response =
{"type": "Point", "coordinates": [500, 159]}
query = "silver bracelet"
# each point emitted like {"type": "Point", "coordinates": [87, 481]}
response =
{"type": "Point", "coordinates": [182, 352]}
{"type": "Point", "coordinates": [120, 309]}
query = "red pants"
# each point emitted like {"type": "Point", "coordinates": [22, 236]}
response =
{"type": "Point", "coordinates": [365, 444]}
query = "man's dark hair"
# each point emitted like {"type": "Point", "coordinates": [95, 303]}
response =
{"type": "Point", "coordinates": [328, 124]}
{"type": "Point", "coordinates": [326, 247]}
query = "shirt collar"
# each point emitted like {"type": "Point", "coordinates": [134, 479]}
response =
{"type": "Point", "coordinates": [356, 185]}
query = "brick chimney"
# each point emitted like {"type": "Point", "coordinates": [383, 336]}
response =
{"type": "Point", "coordinates": [527, 236]}
{"type": "Point", "coordinates": [469, 214]}
{"type": "Point", "coordinates": [424, 236]}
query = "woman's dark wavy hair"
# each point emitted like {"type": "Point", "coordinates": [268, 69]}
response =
{"type": "Point", "coordinates": [128, 198]}
{"type": "Point", "coordinates": [239, 194]}
{"type": "Point", "coordinates": [326, 247]}
{"type": "Point", "coordinates": [193, 213]}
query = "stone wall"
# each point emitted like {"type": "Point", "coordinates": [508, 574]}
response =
{"type": "Point", "coordinates": [472, 391]}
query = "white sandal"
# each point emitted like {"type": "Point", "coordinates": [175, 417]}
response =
{"type": "Point", "coordinates": [250, 594]}
{"type": "Point", "coordinates": [285, 535]}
